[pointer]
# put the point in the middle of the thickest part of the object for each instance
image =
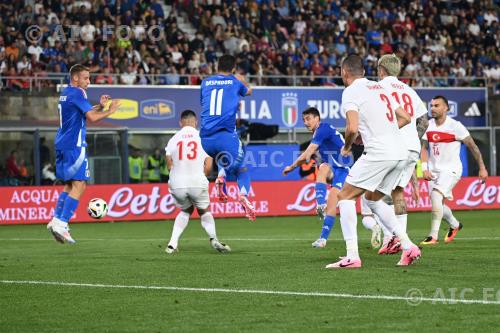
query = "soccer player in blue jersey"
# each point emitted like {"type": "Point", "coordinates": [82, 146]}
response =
{"type": "Point", "coordinates": [333, 168]}
{"type": "Point", "coordinates": [71, 155]}
{"type": "Point", "coordinates": [220, 100]}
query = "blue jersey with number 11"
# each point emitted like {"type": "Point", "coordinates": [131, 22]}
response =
{"type": "Point", "coordinates": [220, 98]}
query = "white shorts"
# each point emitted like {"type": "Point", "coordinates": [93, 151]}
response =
{"type": "Point", "coordinates": [444, 181]}
{"type": "Point", "coordinates": [409, 168]}
{"type": "Point", "coordinates": [193, 196]}
{"type": "Point", "coordinates": [365, 210]}
{"type": "Point", "coordinates": [374, 176]}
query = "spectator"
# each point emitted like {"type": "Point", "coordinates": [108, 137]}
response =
{"type": "Point", "coordinates": [104, 78]}
{"type": "Point", "coordinates": [172, 78]}
{"type": "Point", "coordinates": [142, 79]}
{"type": "Point", "coordinates": [257, 32]}
{"type": "Point", "coordinates": [217, 19]}
{"type": "Point", "coordinates": [23, 63]}
{"type": "Point", "coordinates": [14, 83]}
{"type": "Point", "coordinates": [129, 76]}
{"type": "Point", "coordinates": [35, 50]}
{"type": "Point", "coordinates": [12, 166]}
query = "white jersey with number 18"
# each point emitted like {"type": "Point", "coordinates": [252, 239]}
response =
{"type": "Point", "coordinates": [377, 120]}
{"type": "Point", "coordinates": [412, 104]}
{"type": "Point", "coordinates": [188, 159]}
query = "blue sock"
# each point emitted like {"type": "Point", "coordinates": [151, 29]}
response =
{"type": "Point", "coordinates": [243, 179]}
{"type": "Point", "coordinates": [60, 204]}
{"type": "Point", "coordinates": [70, 205]}
{"type": "Point", "coordinates": [321, 193]}
{"type": "Point", "coordinates": [327, 226]}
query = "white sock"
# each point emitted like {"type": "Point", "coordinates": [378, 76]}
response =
{"type": "Point", "coordinates": [388, 218]}
{"type": "Point", "coordinates": [368, 222]}
{"type": "Point", "coordinates": [448, 217]}
{"type": "Point", "coordinates": [387, 233]}
{"type": "Point", "coordinates": [222, 172]}
{"type": "Point", "coordinates": [208, 223]}
{"type": "Point", "coordinates": [181, 222]}
{"type": "Point", "coordinates": [437, 213]}
{"type": "Point", "coordinates": [402, 220]}
{"type": "Point", "coordinates": [348, 221]}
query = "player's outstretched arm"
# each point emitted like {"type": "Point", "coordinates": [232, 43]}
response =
{"type": "Point", "coordinates": [351, 131]}
{"type": "Point", "coordinates": [402, 117]}
{"type": "Point", "coordinates": [97, 114]}
{"type": "Point", "coordinates": [303, 158]}
{"type": "Point", "coordinates": [469, 142]}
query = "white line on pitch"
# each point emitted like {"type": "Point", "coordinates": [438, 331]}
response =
{"type": "Point", "coordinates": [204, 239]}
{"type": "Point", "coordinates": [410, 300]}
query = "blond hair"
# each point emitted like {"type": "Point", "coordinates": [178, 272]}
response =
{"type": "Point", "coordinates": [390, 63]}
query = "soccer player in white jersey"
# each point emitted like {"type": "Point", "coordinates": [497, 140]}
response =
{"type": "Point", "coordinates": [374, 113]}
{"type": "Point", "coordinates": [388, 69]}
{"type": "Point", "coordinates": [188, 164]}
{"type": "Point", "coordinates": [442, 166]}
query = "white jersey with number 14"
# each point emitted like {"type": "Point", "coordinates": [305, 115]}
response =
{"type": "Point", "coordinates": [444, 145]}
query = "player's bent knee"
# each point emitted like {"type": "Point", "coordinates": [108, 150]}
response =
{"type": "Point", "coordinates": [348, 192]}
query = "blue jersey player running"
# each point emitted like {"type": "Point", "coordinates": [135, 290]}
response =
{"type": "Point", "coordinates": [220, 100]}
{"type": "Point", "coordinates": [333, 168]}
{"type": "Point", "coordinates": [71, 155]}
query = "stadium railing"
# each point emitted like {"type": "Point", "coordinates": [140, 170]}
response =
{"type": "Point", "coordinates": [39, 81]}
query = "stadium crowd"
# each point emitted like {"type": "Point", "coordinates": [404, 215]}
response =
{"type": "Point", "coordinates": [440, 42]}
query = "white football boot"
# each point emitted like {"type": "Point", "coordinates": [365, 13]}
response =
{"type": "Point", "coordinates": [60, 231]}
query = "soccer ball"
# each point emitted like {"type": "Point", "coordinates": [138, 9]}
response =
{"type": "Point", "coordinates": [97, 208]}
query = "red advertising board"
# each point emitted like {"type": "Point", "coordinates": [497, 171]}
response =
{"type": "Point", "coordinates": [142, 202]}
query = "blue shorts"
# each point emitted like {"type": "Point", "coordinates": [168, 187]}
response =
{"type": "Point", "coordinates": [226, 149]}
{"type": "Point", "coordinates": [339, 176]}
{"type": "Point", "coordinates": [72, 164]}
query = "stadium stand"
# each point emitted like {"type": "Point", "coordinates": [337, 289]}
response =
{"type": "Point", "coordinates": [442, 43]}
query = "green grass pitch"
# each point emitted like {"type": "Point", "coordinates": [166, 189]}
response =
{"type": "Point", "coordinates": [238, 292]}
